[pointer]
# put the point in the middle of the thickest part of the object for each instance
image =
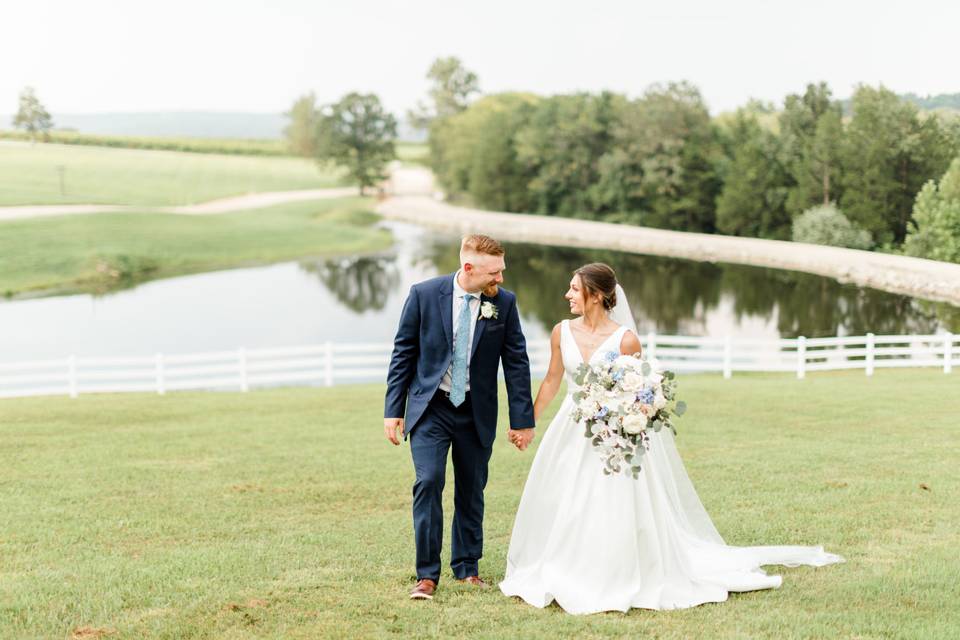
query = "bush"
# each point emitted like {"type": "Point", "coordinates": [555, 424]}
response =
{"type": "Point", "coordinates": [826, 224]}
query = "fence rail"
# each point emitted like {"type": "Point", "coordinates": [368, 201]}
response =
{"type": "Point", "coordinates": [328, 364]}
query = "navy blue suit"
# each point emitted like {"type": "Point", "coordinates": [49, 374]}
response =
{"type": "Point", "coordinates": [423, 350]}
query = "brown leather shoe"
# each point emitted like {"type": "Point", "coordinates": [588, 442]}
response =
{"type": "Point", "coordinates": [424, 590]}
{"type": "Point", "coordinates": [474, 580]}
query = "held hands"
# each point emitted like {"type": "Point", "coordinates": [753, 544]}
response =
{"type": "Point", "coordinates": [520, 438]}
{"type": "Point", "coordinates": [393, 429]}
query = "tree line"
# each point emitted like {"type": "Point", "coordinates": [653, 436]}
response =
{"type": "Point", "coordinates": [807, 172]}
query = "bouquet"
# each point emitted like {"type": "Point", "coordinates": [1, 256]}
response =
{"type": "Point", "coordinates": [619, 401]}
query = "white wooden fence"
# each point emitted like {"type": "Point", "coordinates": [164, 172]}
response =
{"type": "Point", "coordinates": [328, 364]}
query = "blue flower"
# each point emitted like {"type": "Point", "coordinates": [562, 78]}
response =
{"type": "Point", "coordinates": [645, 395]}
{"type": "Point", "coordinates": [603, 412]}
{"type": "Point", "coordinates": [610, 356]}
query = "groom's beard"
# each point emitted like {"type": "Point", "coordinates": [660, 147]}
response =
{"type": "Point", "coordinates": [491, 291]}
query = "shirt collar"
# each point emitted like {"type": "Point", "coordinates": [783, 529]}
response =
{"type": "Point", "coordinates": [458, 291]}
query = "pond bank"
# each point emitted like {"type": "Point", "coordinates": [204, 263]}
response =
{"type": "Point", "coordinates": [411, 201]}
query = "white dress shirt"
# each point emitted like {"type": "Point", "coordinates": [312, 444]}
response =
{"type": "Point", "coordinates": [458, 292]}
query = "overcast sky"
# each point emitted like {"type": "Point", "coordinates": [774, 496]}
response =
{"type": "Point", "coordinates": [247, 55]}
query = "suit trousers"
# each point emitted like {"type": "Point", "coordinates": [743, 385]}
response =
{"type": "Point", "coordinates": [443, 427]}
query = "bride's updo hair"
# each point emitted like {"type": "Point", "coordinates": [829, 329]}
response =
{"type": "Point", "coordinates": [599, 278]}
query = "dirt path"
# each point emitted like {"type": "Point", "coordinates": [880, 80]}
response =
{"type": "Point", "coordinates": [413, 200]}
{"type": "Point", "coordinates": [222, 205]}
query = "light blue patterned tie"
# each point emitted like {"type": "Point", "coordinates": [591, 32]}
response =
{"type": "Point", "coordinates": [458, 382]}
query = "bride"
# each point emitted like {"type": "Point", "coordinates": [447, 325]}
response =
{"type": "Point", "coordinates": [594, 542]}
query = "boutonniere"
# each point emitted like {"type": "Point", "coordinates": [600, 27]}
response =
{"type": "Point", "coordinates": [488, 310]}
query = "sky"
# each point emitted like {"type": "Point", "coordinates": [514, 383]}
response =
{"type": "Point", "coordinates": [259, 56]}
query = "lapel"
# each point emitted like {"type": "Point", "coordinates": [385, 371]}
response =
{"type": "Point", "coordinates": [446, 309]}
{"type": "Point", "coordinates": [481, 323]}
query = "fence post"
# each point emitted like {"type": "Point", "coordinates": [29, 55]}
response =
{"type": "Point", "coordinates": [869, 354]}
{"type": "Point", "coordinates": [651, 345]}
{"type": "Point", "coordinates": [161, 384]}
{"type": "Point", "coordinates": [242, 361]}
{"type": "Point", "coordinates": [727, 357]}
{"type": "Point", "coordinates": [948, 353]}
{"type": "Point", "coordinates": [72, 376]}
{"type": "Point", "coordinates": [801, 357]}
{"type": "Point", "coordinates": [328, 363]}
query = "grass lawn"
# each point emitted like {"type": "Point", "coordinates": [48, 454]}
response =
{"type": "Point", "coordinates": [413, 152]}
{"type": "Point", "coordinates": [103, 175]}
{"type": "Point", "coordinates": [109, 250]}
{"type": "Point", "coordinates": [285, 514]}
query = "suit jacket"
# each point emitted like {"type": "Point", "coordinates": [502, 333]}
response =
{"type": "Point", "coordinates": [423, 350]}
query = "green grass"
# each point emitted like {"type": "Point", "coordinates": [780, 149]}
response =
{"type": "Point", "coordinates": [111, 250]}
{"type": "Point", "coordinates": [100, 175]}
{"type": "Point", "coordinates": [284, 514]}
{"type": "Point", "coordinates": [413, 152]}
{"type": "Point", "coordinates": [238, 146]}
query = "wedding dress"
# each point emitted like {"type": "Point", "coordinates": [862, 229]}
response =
{"type": "Point", "coordinates": [594, 542]}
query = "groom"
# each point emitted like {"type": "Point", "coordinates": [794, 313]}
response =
{"type": "Point", "coordinates": [454, 332]}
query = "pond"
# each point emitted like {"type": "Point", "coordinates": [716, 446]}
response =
{"type": "Point", "coordinates": [358, 299]}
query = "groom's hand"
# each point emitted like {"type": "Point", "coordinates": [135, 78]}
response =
{"type": "Point", "coordinates": [393, 429]}
{"type": "Point", "coordinates": [521, 438]}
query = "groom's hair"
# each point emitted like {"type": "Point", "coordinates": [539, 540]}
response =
{"type": "Point", "coordinates": [477, 244]}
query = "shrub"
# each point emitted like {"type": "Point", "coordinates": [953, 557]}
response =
{"type": "Point", "coordinates": [826, 224]}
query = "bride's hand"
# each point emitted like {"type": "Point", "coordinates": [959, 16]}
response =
{"type": "Point", "coordinates": [520, 438]}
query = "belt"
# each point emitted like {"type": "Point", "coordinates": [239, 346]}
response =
{"type": "Point", "coordinates": [444, 396]}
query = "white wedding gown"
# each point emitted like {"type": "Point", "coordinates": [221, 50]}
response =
{"type": "Point", "coordinates": [602, 543]}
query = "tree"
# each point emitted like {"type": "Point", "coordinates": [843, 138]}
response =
{"type": "Point", "coordinates": [475, 152]}
{"type": "Point", "coordinates": [823, 161]}
{"type": "Point", "coordinates": [301, 133]}
{"type": "Point", "coordinates": [889, 153]}
{"type": "Point", "coordinates": [450, 92]}
{"type": "Point", "coordinates": [752, 202]}
{"type": "Point", "coordinates": [32, 116]}
{"type": "Point", "coordinates": [358, 134]}
{"type": "Point", "coordinates": [660, 167]}
{"type": "Point", "coordinates": [811, 129]}
{"type": "Point", "coordinates": [934, 230]}
{"type": "Point", "coordinates": [561, 146]}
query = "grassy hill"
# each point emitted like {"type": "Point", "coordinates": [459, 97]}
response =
{"type": "Point", "coordinates": [108, 251]}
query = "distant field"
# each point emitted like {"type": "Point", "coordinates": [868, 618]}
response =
{"type": "Point", "coordinates": [166, 143]}
{"type": "Point", "coordinates": [29, 174]}
{"type": "Point", "coordinates": [413, 152]}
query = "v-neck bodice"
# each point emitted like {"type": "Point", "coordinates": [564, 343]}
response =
{"type": "Point", "coordinates": [573, 358]}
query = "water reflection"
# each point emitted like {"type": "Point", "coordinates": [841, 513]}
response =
{"type": "Point", "coordinates": [361, 283]}
{"type": "Point", "coordinates": [677, 296]}
{"type": "Point", "coordinates": [359, 299]}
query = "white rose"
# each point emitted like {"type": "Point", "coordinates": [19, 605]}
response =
{"type": "Point", "coordinates": [628, 362]}
{"type": "Point", "coordinates": [659, 401]}
{"type": "Point", "coordinates": [631, 381]}
{"type": "Point", "coordinates": [634, 423]}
